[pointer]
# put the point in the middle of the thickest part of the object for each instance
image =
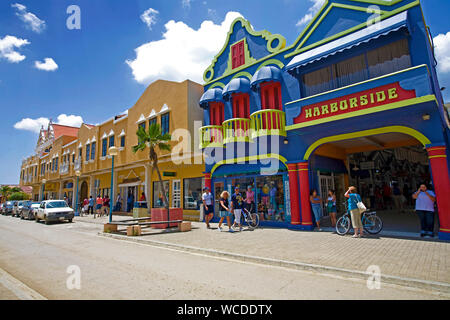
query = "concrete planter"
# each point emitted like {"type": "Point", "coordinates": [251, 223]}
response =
{"type": "Point", "coordinates": [160, 214]}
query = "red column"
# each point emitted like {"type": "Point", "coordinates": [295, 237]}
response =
{"type": "Point", "coordinates": [303, 177]}
{"type": "Point", "coordinates": [293, 191]}
{"type": "Point", "coordinates": [441, 182]}
{"type": "Point", "coordinates": [208, 180]}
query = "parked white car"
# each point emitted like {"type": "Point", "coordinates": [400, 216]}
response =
{"type": "Point", "coordinates": [54, 210]}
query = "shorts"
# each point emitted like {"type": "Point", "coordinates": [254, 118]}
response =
{"type": "Point", "coordinates": [224, 214]}
{"type": "Point", "coordinates": [98, 207]}
{"type": "Point", "coordinates": [317, 210]}
{"type": "Point", "coordinates": [356, 218]}
{"type": "Point", "coordinates": [209, 209]}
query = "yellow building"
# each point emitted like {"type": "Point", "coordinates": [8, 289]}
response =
{"type": "Point", "coordinates": [63, 151]}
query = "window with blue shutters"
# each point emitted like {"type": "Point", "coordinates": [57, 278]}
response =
{"type": "Point", "coordinates": [111, 141]}
{"type": "Point", "coordinates": [104, 146]}
{"type": "Point", "coordinates": [88, 149]}
{"type": "Point", "coordinates": [93, 145]}
{"type": "Point", "coordinates": [165, 123]}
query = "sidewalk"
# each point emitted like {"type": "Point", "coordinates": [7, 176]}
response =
{"type": "Point", "coordinates": [401, 257]}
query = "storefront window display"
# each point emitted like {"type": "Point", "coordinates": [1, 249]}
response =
{"type": "Point", "coordinates": [192, 193]}
{"type": "Point", "coordinates": [270, 198]}
{"type": "Point", "coordinates": [158, 199]}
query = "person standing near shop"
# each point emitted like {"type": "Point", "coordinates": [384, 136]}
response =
{"type": "Point", "coordinates": [208, 206]}
{"type": "Point", "coordinates": [250, 199]}
{"type": "Point", "coordinates": [355, 213]}
{"type": "Point", "coordinates": [91, 205]}
{"type": "Point", "coordinates": [106, 204]}
{"type": "Point", "coordinates": [425, 200]}
{"type": "Point", "coordinates": [130, 201]}
{"type": "Point", "coordinates": [316, 205]}
{"type": "Point", "coordinates": [237, 204]}
{"type": "Point", "coordinates": [331, 207]}
{"type": "Point", "coordinates": [224, 211]}
{"type": "Point", "coordinates": [99, 203]}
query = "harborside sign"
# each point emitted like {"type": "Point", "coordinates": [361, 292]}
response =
{"type": "Point", "coordinates": [354, 102]}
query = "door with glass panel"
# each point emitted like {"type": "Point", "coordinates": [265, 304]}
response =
{"type": "Point", "coordinates": [219, 187]}
{"type": "Point", "coordinates": [326, 183]}
{"type": "Point", "coordinates": [176, 194]}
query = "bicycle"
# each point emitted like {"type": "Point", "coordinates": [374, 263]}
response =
{"type": "Point", "coordinates": [370, 221]}
{"type": "Point", "coordinates": [252, 219]}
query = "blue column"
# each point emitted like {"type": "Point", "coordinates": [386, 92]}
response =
{"type": "Point", "coordinates": [112, 185]}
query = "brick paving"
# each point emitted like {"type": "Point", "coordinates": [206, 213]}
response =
{"type": "Point", "coordinates": [424, 259]}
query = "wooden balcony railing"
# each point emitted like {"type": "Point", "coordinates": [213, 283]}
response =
{"type": "Point", "coordinates": [211, 136]}
{"type": "Point", "coordinates": [237, 130]}
{"type": "Point", "coordinates": [268, 122]}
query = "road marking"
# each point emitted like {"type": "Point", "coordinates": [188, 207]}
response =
{"type": "Point", "coordinates": [18, 288]}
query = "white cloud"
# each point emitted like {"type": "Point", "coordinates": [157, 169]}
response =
{"type": "Point", "coordinates": [35, 125]}
{"type": "Point", "coordinates": [442, 50]}
{"type": "Point", "coordinates": [317, 4]}
{"type": "Point", "coordinates": [8, 46]}
{"type": "Point", "coordinates": [48, 65]}
{"type": "Point", "coordinates": [183, 53]}
{"type": "Point", "coordinates": [149, 17]}
{"type": "Point", "coordinates": [30, 19]}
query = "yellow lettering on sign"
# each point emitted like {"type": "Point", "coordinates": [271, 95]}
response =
{"type": "Point", "coordinates": [325, 109]}
{"type": "Point", "coordinates": [393, 93]}
{"type": "Point", "coordinates": [372, 98]}
{"type": "Point", "coordinates": [316, 111]}
{"type": "Point", "coordinates": [353, 103]}
{"type": "Point", "coordinates": [381, 96]}
{"type": "Point", "coordinates": [308, 113]}
{"type": "Point", "coordinates": [363, 100]}
{"type": "Point", "coordinates": [343, 105]}
{"type": "Point", "coordinates": [334, 107]}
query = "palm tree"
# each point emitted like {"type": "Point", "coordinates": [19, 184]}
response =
{"type": "Point", "coordinates": [153, 138]}
{"type": "Point", "coordinates": [16, 189]}
{"type": "Point", "coordinates": [5, 191]}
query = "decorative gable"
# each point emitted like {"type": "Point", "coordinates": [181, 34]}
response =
{"type": "Point", "coordinates": [243, 47]}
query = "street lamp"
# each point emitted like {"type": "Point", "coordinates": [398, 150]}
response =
{"type": "Point", "coordinates": [78, 174]}
{"type": "Point", "coordinates": [43, 188]}
{"type": "Point", "coordinates": [113, 151]}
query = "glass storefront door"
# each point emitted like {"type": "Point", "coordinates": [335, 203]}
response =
{"type": "Point", "coordinates": [219, 187]}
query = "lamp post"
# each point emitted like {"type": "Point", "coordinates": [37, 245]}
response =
{"type": "Point", "coordinates": [78, 174]}
{"type": "Point", "coordinates": [43, 188]}
{"type": "Point", "coordinates": [112, 151]}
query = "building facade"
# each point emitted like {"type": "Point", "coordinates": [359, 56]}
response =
{"type": "Point", "coordinates": [355, 100]}
{"type": "Point", "coordinates": [62, 151]}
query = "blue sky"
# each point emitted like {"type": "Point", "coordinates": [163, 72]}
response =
{"type": "Point", "coordinates": [48, 71]}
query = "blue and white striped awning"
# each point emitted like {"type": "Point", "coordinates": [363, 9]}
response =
{"type": "Point", "coordinates": [236, 85]}
{"type": "Point", "coordinates": [374, 31]}
{"type": "Point", "coordinates": [267, 73]}
{"type": "Point", "coordinates": [210, 95]}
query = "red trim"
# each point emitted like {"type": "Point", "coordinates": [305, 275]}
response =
{"type": "Point", "coordinates": [241, 105]}
{"type": "Point", "coordinates": [271, 95]}
{"type": "Point", "coordinates": [303, 177]}
{"type": "Point", "coordinates": [441, 181]}
{"type": "Point", "coordinates": [216, 113]}
{"type": "Point", "coordinates": [293, 191]}
{"type": "Point", "coordinates": [237, 54]}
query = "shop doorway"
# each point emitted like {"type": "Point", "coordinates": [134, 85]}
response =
{"type": "Point", "coordinates": [83, 192]}
{"type": "Point", "coordinates": [386, 169]}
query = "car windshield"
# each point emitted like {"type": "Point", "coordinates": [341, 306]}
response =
{"type": "Point", "coordinates": [9, 203]}
{"type": "Point", "coordinates": [35, 205]}
{"type": "Point", "coordinates": [56, 204]}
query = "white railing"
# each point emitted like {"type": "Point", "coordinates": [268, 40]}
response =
{"type": "Point", "coordinates": [78, 163]}
{"type": "Point", "coordinates": [64, 168]}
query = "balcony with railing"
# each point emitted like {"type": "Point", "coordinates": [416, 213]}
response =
{"type": "Point", "coordinates": [261, 123]}
{"type": "Point", "coordinates": [236, 130]}
{"type": "Point", "coordinates": [268, 122]}
{"type": "Point", "coordinates": [211, 136]}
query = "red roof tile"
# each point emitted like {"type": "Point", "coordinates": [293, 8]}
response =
{"type": "Point", "coordinates": [61, 130]}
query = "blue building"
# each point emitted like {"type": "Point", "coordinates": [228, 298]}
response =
{"type": "Point", "coordinates": [355, 100]}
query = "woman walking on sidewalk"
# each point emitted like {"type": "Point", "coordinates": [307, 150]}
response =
{"type": "Point", "coordinates": [316, 205]}
{"type": "Point", "coordinates": [98, 207]}
{"type": "Point", "coordinates": [225, 211]}
{"type": "Point", "coordinates": [331, 207]}
{"type": "Point", "coordinates": [355, 213]}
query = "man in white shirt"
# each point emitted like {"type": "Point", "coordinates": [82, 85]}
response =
{"type": "Point", "coordinates": [208, 205]}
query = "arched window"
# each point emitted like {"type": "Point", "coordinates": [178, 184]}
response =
{"type": "Point", "coordinates": [241, 105]}
{"type": "Point", "coordinates": [216, 113]}
{"type": "Point", "coordinates": [271, 95]}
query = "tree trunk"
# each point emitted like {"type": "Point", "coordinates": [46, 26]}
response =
{"type": "Point", "coordinates": [166, 202]}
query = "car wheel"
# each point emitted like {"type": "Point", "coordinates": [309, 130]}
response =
{"type": "Point", "coordinates": [70, 220]}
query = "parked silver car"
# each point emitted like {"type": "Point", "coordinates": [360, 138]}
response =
{"type": "Point", "coordinates": [17, 208]}
{"type": "Point", "coordinates": [54, 210]}
{"type": "Point", "coordinates": [29, 210]}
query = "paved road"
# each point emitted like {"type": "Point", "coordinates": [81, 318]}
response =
{"type": "Point", "coordinates": [39, 255]}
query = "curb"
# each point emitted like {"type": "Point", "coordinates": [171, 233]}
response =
{"type": "Point", "coordinates": [18, 288]}
{"type": "Point", "coordinates": [409, 282]}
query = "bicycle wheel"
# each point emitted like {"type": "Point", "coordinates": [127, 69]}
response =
{"type": "Point", "coordinates": [373, 224]}
{"type": "Point", "coordinates": [343, 225]}
{"type": "Point", "coordinates": [253, 220]}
